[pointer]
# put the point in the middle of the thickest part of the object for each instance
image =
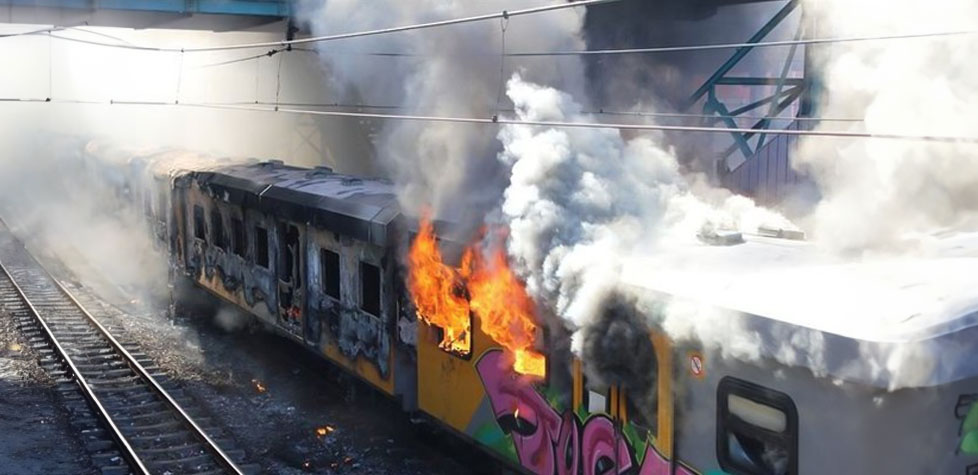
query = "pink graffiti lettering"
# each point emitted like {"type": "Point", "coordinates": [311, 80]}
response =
{"type": "Point", "coordinates": [535, 426]}
{"type": "Point", "coordinates": [547, 442]}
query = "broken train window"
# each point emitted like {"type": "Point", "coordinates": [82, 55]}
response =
{"type": "Point", "coordinates": [217, 228]}
{"type": "Point", "coordinates": [757, 429]}
{"type": "Point", "coordinates": [329, 263]}
{"type": "Point", "coordinates": [199, 231]}
{"type": "Point", "coordinates": [370, 288]}
{"type": "Point", "coordinates": [261, 247]}
{"type": "Point", "coordinates": [240, 241]}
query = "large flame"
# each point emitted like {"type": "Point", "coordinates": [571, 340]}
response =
{"type": "Point", "coordinates": [495, 295]}
{"type": "Point", "coordinates": [506, 312]}
{"type": "Point", "coordinates": [438, 292]}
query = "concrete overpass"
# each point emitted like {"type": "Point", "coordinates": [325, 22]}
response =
{"type": "Point", "coordinates": [218, 15]}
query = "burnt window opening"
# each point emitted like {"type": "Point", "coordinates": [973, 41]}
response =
{"type": "Point", "coordinates": [757, 429]}
{"type": "Point", "coordinates": [370, 288]}
{"type": "Point", "coordinates": [261, 247]}
{"type": "Point", "coordinates": [199, 231]}
{"type": "Point", "coordinates": [239, 240]}
{"type": "Point", "coordinates": [329, 262]}
{"type": "Point", "coordinates": [217, 228]}
{"type": "Point", "coordinates": [288, 256]}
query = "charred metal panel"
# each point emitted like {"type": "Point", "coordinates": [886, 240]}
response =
{"type": "Point", "coordinates": [362, 209]}
{"type": "Point", "coordinates": [233, 277]}
{"type": "Point", "coordinates": [356, 333]}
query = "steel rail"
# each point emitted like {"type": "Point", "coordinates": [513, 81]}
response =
{"type": "Point", "coordinates": [219, 455]}
{"type": "Point", "coordinates": [135, 462]}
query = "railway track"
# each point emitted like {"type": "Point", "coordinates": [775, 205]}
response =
{"type": "Point", "coordinates": [151, 430]}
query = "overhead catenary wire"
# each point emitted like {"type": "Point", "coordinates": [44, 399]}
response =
{"type": "Point", "coordinates": [763, 44]}
{"type": "Point", "coordinates": [357, 34]}
{"type": "Point", "coordinates": [564, 124]}
{"type": "Point", "coordinates": [601, 111]}
{"type": "Point", "coordinates": [704, 47]}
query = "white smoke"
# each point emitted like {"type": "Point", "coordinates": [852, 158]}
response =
{"type": "Point", "coordinates": [582, 202]}
{"type": "Point", "coordinates": [878, 193]}
{"type": "Point", "coordinates": [456, 72]}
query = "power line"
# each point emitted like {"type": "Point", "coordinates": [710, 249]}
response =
{"type": "Point", "coordinates": [602, 111]}
{"type": "Point", "coordinates": [562, 124]}
{"type": "Point", "coordinates": [503, 121]}
{"type": "Point", "coordinates": [34, 32]}
{"type": "Point", "coordinates": [707, 47]}
{"type": "Point", "coordinates": [269, 54]}
{"type": "Point", "coordinates": [763, 44]}
{"type": "Point", "coordinates": [316, 39]}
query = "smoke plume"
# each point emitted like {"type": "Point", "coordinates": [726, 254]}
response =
{"type": "Point", "coordinates": [880, 194]}
{"type": "Point", "coordinates": [448, 71]}
{"type": "Point", "coordinates": [581, 202]}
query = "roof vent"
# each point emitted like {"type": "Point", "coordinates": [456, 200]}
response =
{"type": "Point", "coordinates": [715, 237]}
{"type": "Point", "coordinates": [792, 234]}
{"type": "Point", "coordinates": [320, 171]}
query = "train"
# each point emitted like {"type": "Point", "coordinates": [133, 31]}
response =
{"type": "Point", "coordinates": [846, 367]}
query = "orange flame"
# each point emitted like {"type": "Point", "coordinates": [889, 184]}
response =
{"type": "Point", "coordinates": [506, 312]}
{"type": "Point", "coordinates": [438, 291]}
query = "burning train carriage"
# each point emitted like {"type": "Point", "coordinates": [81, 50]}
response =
{"type": "Point", "coordinates": [318, 256]}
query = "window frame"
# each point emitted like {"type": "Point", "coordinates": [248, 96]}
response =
{"type": "Point", "coordinates": [267, 257]}
{"type": "Point", "coordinates": [324, 283]}
{"type": "Point", "coordinates": [199, 223]}
{"type": "Point", "coordinates": [380, 292]}
{"type": "Point", "coordinates": [586, 396]}
{"type": "Point", "coordinates": [219, 237]}
{"type": "Point", "coordinates": [239, 238]}
{"type": "Point", "coordinates": [726, 421]}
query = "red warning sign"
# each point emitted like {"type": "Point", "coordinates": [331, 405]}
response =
{"type": "Point", "coordinates": [696, 366]}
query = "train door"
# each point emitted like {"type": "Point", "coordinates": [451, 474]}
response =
{"type": "Point", "coordinates": [627, 429]}
{"type": "Point", "coordinates": [291, 287]}
{"type": "Point", "coordinates": [647, 417]}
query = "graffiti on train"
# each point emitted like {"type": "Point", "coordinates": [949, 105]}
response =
{"type": "Point", "coordinates": [550, 442]}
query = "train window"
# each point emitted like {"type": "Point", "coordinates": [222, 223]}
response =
{"type": "Point", "coordinates": [240, 241]}
{"type": "Point", "coordinates": [199, 231]}
{"type": "Point", "coordinates": [757, 429]}
{"type": "Point", "coordinates": [329, 262]}
{"type": "Point", "coordinates": [596, 400]}
{"type": "Point", "coordinates": [261, 247]}
{"type": "Point", "coordinates": [217, 228]}
{"type": "Point", "coordinates": [370, 288]}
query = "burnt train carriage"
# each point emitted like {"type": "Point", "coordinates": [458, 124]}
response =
{"type": "Point", "coordinates": [307, 251]}
{"type": "Point", "coordinates": [314, 254]}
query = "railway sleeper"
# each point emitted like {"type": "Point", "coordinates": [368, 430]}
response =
{"type": "Point", "coordinates": [140, 418]}
{"type": "Point", "coordinates": [161, 440]}
{"type": "Point", "coordinates": [115, 470]}
{"type": "Point", "coordinates": [194, 464]}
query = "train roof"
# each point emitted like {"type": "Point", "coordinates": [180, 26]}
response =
{"type": "Point", "coordinates": [930, 298]}
{"type": "Point", "coordinates": [362, 208]}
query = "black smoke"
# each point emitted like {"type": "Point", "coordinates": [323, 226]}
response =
{"type": "Point", "coordinates": [617, 349]}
